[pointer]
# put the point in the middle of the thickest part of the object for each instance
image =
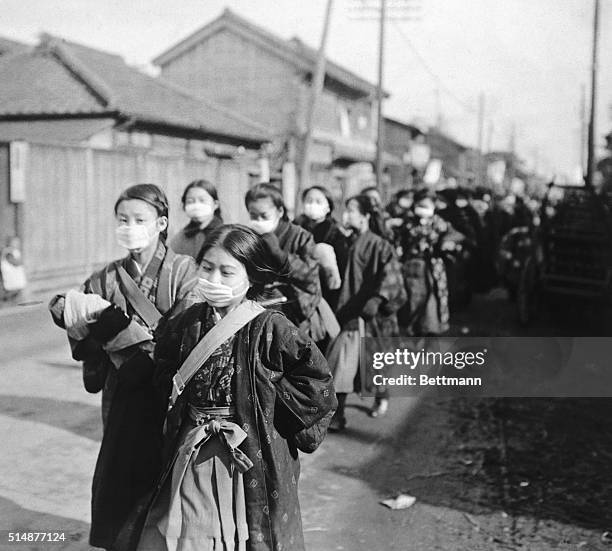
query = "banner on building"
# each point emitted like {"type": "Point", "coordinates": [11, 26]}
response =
{"type": "Point", "coordinates": [419, 155]}
{"type": "Point", "coordinates": [17, 171]}
{"type": "Point", "coordinates": [496, 171]}
{"type": "Point", "coordinates": [433, 172]}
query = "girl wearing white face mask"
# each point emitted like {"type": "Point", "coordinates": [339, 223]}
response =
{"type": "Point", "coordinates": [372, 291]}
{"type": "Point", "coordinates": [290, 251]}
{"type": "Point", "coordinates": [317, 218]}
{"type": "Point", "coordinates": [423, 240]}
{"type": "Point", "coordinates": [110, 326]}
{"type": "Point", "coordinates": [201, 204]}
{"type": "Point", "coordinates": [212, 497]}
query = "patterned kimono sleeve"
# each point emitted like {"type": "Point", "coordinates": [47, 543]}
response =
{"type": "Point", "coordinates": [391, 281]}
{"type": "Point", "coordinates": [88, 350]}
{"type": "Point", "coordinates": [304, 275]}
{"type": "Point", "coordinates": [303, 381]}
{"type": "Point", "coordinates": [186, 278]}
{"type": "Point", "coordinates": [447, 233]}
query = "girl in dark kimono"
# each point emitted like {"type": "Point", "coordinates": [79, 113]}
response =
{"type": "Point", "coordinates": [201, 204]}
{"type": "Point", "coordinates": [318, 220]}
{"type": "Point", "coordinates": [424, 239]}
{"type": "Point", "coordinates": [290, 251]}
{"type": "Point", "coordinates": [110, 327]}
{"type": "Point", "coordinates": [232, 435]}
{"type": "Point", "coordinates": [372, 292]}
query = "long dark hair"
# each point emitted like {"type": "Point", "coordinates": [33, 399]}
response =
{"type": "Point", "coordinates": [248, 248]}
{"type": "Point", "coordinates": [365, 206]}
{"type": "Point", "coordinates": [266, 191]}
{"type": "Point", "coordinates": [149, 193]}
{"type": "Point", "coordinates": [208, 188]}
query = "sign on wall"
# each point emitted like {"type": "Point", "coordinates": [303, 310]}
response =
{"type": "Point", "coordinates": [17, 171]}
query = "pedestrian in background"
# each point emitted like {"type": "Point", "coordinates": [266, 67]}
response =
{"type": "Point", "coordinates": [201, 204]}
{"type": "Point", "coordinates": [12, 270]}
{"type": "Point", "coordinates": [372, 291]}
{"type": "Point", "coordinates": [259, 391]}
{"type": "Point", "coordinates": [290, 250]}
{"type": "Point", "coordinates": [383, 218]}
{"type": "Point", "coordinates": [424, 240]}
{"type": "Point", "coordinates": [110, 325]}
{"type": "Point", "coordinates": [317, 218]}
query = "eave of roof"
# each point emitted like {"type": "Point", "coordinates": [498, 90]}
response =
{"type": "Point", "coordinates": [8, 45]}
{"type": "Point", "coordinates": [114, 88]}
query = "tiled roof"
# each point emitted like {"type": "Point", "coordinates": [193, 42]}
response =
{"type": "Point", "coordinates": [11, 46]}
{"type": "Point", "coordinates": [37, 83]}
{"type": "Point", "coordinates": [61, 77]}
{"type": "Point", "coordinates": [295, 51]}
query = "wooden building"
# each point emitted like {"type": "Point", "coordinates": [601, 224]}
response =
{"type": "Point", "coordinates": [251, 71]}
{"type": "Point", "coordinates": [77, 126]}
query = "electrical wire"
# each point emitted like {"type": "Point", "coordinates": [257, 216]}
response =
{"type": "Point", "coordinates": [443, 87]}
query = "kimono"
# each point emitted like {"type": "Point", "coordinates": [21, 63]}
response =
{"type": "Point", "coordinates": [190, 239]}
{"type": "Point", "coordinates": [328, 231]}
{"type": "Point", "coordinates": [302, 287]}
{"type": "Point", "coordinates": [427, 311]}
{"type": "Point", "coordinates": [282, 390]}
{"type": "Point", "coordinates": [130, 457]}
{"type": "Point", "coordinates": [464, 268]}
{"type": "Point", "coordinates": [373, 290]}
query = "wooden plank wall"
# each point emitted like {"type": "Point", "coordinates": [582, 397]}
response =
{"type": "Point", "coordinates": [68, 226]}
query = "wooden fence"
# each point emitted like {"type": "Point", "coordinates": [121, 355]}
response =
{"type": "Point", "coordinates": [68, 222]}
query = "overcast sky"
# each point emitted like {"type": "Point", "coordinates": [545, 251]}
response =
{"type": "Point", "coordinates": [529, 57]}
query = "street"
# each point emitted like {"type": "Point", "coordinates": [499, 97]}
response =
{"type": "Point", "coordinates": [486, 474]}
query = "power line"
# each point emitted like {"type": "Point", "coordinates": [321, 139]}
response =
{"type": "Point", "coordinates": [432, 73]}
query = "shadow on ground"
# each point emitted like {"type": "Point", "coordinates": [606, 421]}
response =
{"type": "Point", "coordinates": [78, 418]}
{"type": "Point", "coordinates": [19, 519]}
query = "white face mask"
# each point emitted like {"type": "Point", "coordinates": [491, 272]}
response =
{"type": "Point", "coordinates": [316, 211]}
{"type": "Point", "coordinates": [263, 226]}
{"type": "Point", "coordinates": [218, 294]}
{"type": "Point", "coordinates": [423, 212]}
{"type": "Point", "coordinates": [134, 237]}
{"type": "Point", "coordinates": [199, 211]}
{"type": "Point", "coordinates": [405, 203]}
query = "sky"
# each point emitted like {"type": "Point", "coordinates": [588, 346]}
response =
{"type": "Point", "coordinates": [528, 58]}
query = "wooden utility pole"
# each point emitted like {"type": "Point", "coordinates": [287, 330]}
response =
{"type": "Point", "coordinates": [583, 129]}
{"type": "Point", "coordinates": [318, 79]}
{"type": "Point", "coordinates": [512, 149]}
{"type": "Point", "coordinates": [480, 138]}
{"type": "Point", "coordinates": [591, 138]}
{"type": "Point", "coordinates": [380, 93]}
{"type": "Point", "coordinates": [381, 11]}
{"type": "Point", "coordinates": [490, 132]}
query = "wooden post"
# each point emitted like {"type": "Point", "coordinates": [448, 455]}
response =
{"type": "Point", "coordinates": [591, 138]}
{"type": "Point", "coordinates": [379, 118]}
{"type": "Point", "coordinates": [316, 88]}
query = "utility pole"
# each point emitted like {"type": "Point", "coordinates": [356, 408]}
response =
{"type": "Point", "coordinates": [490, 132]}
{"type": "Point", "coordinates": [591, 137]}
{"type": "Point", "coordinates": [316, 88]}
{"type": "Point", "coordinates": [379, 95]}
{"type": "Point", "coordinates": [512, 149]}
{"type": "Point", "coordinates": [480, 138]}
{"type": "Point", "coordinates": [583, 128]}
{"type": "Point", "coordinates": [382, 11]}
